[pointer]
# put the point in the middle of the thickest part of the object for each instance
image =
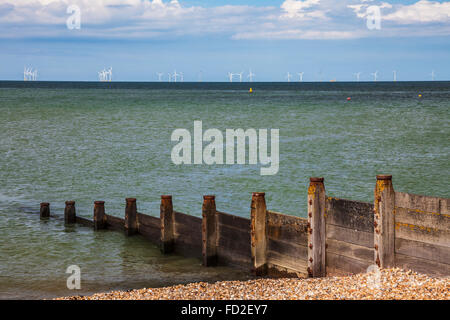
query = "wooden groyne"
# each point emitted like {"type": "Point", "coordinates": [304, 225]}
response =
{"type": "Point", "coordinates": [339, 236]}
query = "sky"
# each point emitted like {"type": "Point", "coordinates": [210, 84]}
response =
{"type": "Point", "coordinates": [324, 39]}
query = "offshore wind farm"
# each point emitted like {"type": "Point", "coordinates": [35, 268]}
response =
{"type": "Point", "coordinates": [106, 75]}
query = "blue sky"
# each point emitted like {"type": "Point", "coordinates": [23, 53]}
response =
{"type": "Point", "coordinates": [325, 39]}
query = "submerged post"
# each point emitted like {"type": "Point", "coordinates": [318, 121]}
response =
{"type": "Point", "coordinates": [384, 202]}
{"type": "Point", "coordinates": [130, 217]}
{"type": "Point", "coordinates": [258, 234]}
{"type": "Point", "coordinates": [316, 232]}
{"type": "Point", "coordinates": [167, 224]}
{"type": "Point", "coordinates": [99, 215]}
{"type": "Point", "coordinates": [70, 216]}
{"type": "Point", "coordinates": [45, 210]}
{"type": "Point", "coordinates": [209, 231]}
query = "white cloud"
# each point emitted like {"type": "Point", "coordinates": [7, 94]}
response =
{"type": "Point", "coordinates": [48, 12]}
{"type": "Point", "coordinates": [358, 9]}
{"type": "Point", "coordinates": [146, 19]}
{"type": "Point", "coordinates": [421, 12]}
{"type": "Point", "coordinates": [297, 8]}
{"type": "Point", "coordinates": [129, 18]}
{"type": "Point", "coordinates": [295, 34]}
{"type": "Point", "coordinates": [361, 9]}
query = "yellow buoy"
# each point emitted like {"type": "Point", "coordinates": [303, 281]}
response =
{"type": "Point", "coordinates": [420, 96]}
{"type": "Point", "coordinates": [251, 90]}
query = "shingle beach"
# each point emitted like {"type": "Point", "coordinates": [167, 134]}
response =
{"type": "Point", "coordinates": [389, 284]}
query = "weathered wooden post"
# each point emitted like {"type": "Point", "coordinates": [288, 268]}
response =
{"type": "Point", "coordinates": [259, 234]}
{"type": "Point", "coordinates": [384, 232]}
{"type": "Point", "coordinates": [209, 231]}
{"type": "Point", "coordinates": [167, 225]}
{"type": "Point", "coordinates": [316, 232]}
{"type": "Point", "coordinates": [99, 215]}
{"type": "Point", "coordinates": [70, 216]}
{"type": "Point", "coordinates": [45, 210]}
{"type": "Point", "coordinates": [130, 217]}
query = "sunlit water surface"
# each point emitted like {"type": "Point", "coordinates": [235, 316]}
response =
{"type": "Point", "coordinates": [108, 141]}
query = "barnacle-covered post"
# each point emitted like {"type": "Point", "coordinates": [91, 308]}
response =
{"type": "Point", "coordinates": [99, 215]}
{"type": "Point", "coordinates": [316, 228]}
{"type": "Point", "coordinates": [259, 234]}
{"type": "Point", "coordinates": [384, 232]}
{"type": "Point", "coordinates": [209, 231]}
{"type": "Point", "coordinates": [70, 216]}
{"type": "Point", "coordinates": [44, 210]}
{"type": "Point", "coordinates": [130, 217]}
{"type": "Point", "coordinates": [167, 242]}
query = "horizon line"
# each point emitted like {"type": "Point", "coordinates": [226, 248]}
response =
{"type": "Point", "coordinates": [215, 81]}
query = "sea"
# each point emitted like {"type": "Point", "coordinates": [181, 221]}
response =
{"type": "Point", "coordinates": [88, 141]}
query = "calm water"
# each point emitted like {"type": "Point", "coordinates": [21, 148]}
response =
{"type": "Point", "coordinates": [108, 141]}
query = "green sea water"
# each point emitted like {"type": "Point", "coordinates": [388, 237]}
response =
{"type": "Point", "coordinates": [109, 141]}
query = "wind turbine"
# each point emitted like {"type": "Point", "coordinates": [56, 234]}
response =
{"type": "Point", "coordinates": [240, 76]}
{"type": "Point", "coordinates": [28, 74]}
{"type": "Point", "coordinates": [160, 74]}
{"type": "Point", "coordinates": [289, 76]}
{"type": "Point", "coordinates": [301, 76]}
{"type": "Point", "coordinates": [200, 76]}
{"type": "Point", "coordinates": [105, 75]}
{"type": "Point", "coordinates": [375, 76]}
{"type": "Point", "coordinates": [358, 75]}
{"type": "Point", "coordinates": [230, 76]}
{"type": "Point", "coordinates": [433, 75]}
{"type": "Point", "coordinates": [109, 74]}
{"type": "Point", "coordinates": [395, 75]}
{"type": "Point", "coordinates": [169, 77]}
{"type": "Point", "coordinates": [251, 75]}
{"type": "Point", "coordinates": [181, 77]}
{"type": "Point", "coordinates": [175, 75]}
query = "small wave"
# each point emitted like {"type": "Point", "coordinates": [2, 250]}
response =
{"type": "Point", "coordinates": [4, 198]}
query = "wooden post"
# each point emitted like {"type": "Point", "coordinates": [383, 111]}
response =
{"type": "Point", "coordinates": [384, 202]}
{"type": "Point", "coordinates": [209, 231]}
{"type": "Point", "coordinates": [316, 226]}
{"type": "Point", "coordinates": [70, 216]}
{"type": "Point", "coordinates": [130, 217]}
{"type": "Point", "coordinates": [259, 234]}
{"type": "Point", "coordinates": [45, 210]}
{"type": "Point", "coordinates": [99, 215]}
{"type": "Point", "coordinates": [167, 225]}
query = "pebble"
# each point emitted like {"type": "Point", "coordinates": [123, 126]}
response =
{"type": "Point", "coordinates": [389, 284]}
